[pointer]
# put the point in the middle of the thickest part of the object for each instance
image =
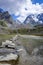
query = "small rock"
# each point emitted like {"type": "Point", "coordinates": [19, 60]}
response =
{"type": "Point", "coordinates": [35, 51]}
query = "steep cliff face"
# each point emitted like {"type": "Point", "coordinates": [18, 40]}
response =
{"type": "Point", "coordinates": [6, 21]}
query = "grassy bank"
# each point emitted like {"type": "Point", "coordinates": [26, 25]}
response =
{"type": "Point", "coordinates": [4, 37]}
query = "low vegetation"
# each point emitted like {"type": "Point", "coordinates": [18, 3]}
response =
{"type": "Point", "coordinates": [37, 31]}
{"type": "Point", "coordinates": [3, 23]}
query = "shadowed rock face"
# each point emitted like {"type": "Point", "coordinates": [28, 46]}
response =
{"type": "Point", "coordinates": [6, 16]}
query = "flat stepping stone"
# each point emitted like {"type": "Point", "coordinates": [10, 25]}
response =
{"type": "Point", "coordinates": [9, 57]}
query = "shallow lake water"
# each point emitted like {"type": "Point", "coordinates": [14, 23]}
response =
{"type": "Point", "coordinates": [27, 43]}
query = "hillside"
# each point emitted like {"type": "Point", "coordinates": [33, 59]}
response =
{"type": "Point", "coordinates": [6, 22]}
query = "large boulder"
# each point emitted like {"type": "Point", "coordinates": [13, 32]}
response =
{"type": "Point", "coordinates": [8, 57]}
{"type": "Point", "coordinates": [8, 43]}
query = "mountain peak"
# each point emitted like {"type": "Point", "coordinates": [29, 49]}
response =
{"type": "Point", "coordinates": [34, 19]}
{"type": "Point", "coordinates": [1, 10]}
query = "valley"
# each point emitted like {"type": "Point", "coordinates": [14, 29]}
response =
{"type": "Point", "coordinates": [21, 43]}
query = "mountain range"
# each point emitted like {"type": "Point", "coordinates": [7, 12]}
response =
{"type": "Point", "coordinates": [34, 19]}
{"type": "Point", "coordinates": [7, 21]}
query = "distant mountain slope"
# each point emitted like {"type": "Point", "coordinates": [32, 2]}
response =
{"type": "Point", "coordinates": [1, 10]}
{"type": "Point", "coordinates": [39, 26]}
{"type": "Point", "coordinates": [34, 19]}
{"type": "Point", "coordinates": [8, 19]}
{"type": "Point", "coordinates": [6, 16]}
{"type": "Point", "coordinates": [40, 17]}
{"type": "Point", "coordinates": [8, 23]}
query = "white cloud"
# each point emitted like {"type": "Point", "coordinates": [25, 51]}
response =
{"type": "Point", "coordinates": [18, 7]}
{"type": "Point", "coordinates": [31, 9]}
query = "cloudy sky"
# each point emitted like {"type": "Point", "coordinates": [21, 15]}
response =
{"type": "Point", "coordinates": [22, 8]}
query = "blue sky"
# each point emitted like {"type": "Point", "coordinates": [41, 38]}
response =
{"type": "Point", "coordinates": [22, 8]}
{"type": "Point", "coordinates": [37, 1]}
